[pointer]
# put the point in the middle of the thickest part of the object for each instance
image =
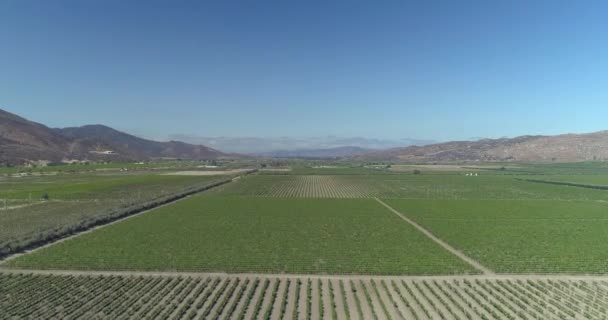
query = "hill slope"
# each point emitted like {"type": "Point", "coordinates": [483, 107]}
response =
{"type": "Point", "coordinates": [99, 137]}
{"type": "Point", "coordinates": [22, 140]}
{"type": "Point", "coordinates": [567, 147]}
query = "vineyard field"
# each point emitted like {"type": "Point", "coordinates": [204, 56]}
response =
{"type": "Point", "coordinates": [300, 186]}
{"type": "Point", "coordinates": [406, 186]}
{"type": "Point", "coordinates": [209, 233]}
{"type": "Point", "coordinates": [593, 180]}
{"type": "Point", "coordinates": [91, 186]}
{"type": "Point", "coordinates": [199, 296]}
{"type": "Point", "coordinates": [311, 243]}
{"type": "Point", "coordinates": [521, 236]}
{"type": "Point", "coordinates": [78, 201]}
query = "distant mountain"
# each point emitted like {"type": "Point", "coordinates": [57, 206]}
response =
{"type": "Point", "coordinates": [100, 137]}
{"type": "Point", "coordinates": [22, 140]}
{"type": "Point", "coordinates": [331, 153]}
{"type": "Point", "coordinates": [566, 147]}
{"type": "Point", "coordinates": [257, 145]}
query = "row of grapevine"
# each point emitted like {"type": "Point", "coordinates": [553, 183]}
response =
{"type": "Point", "coordinates": [322, 187]}
{"type": "Point", "coordinates": [74, 216]}
{"type": "Point", "coordinates": [302, 186]}
{"type": "Point", "coordinates": [36, 296]}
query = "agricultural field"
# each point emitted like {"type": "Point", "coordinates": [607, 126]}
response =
{"type": "Point", "coordinates": [332, 169]}
{"type": "Point", "coordinates": [40, 208]}
{"type": "Point", "coordinates": [592, 180]}
{"type": "Point", "coordinates": [89, 186]}
{"type": "Point", "coordinates": [439, 168]}
{"type": "Point", "coordinates": [519, 236]}
{"type": "Point", "coordinates": [247, 234]}
{"type": "Point", "coordinates": [299, 186]}
{"type": "Point", "coordinates": [577, 168]}
{"type": "Point", "coordinates": [406, 186]}
{"type": "Point", "coordinates": [149, 166]}
{"type": "Point", "coordinates": [99, 167]}
{"type": "Point", "coordinates": [116, 296]}
{"type": "Point", "coordinates": [315, 242]}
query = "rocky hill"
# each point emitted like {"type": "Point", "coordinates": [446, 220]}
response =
{"type": "Point", "coordinates": [22, 140]}
{"type": "Point", "coordinates": [566, 147]}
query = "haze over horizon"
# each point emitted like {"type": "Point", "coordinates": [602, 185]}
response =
{"type": "Point", "coordinates": [432, 71]}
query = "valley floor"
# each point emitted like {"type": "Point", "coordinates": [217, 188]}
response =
{"type": "Point", "coordinates": [310, 245]}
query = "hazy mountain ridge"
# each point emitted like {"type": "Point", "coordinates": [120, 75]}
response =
{"type": "Point", "coordinates": [22, 140]}
{"type": "Point", "coordinates": [565, 147]}
{"type": "Point", "coordinates": [264, 145]}
{"type": "Point", "coordinates": [330, 153]}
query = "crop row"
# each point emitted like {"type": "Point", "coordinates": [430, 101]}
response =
{"type": "Point", "coordinates": [277, 235]}
{"type": "Point", "coordinates": [320, 187]}
{"type": "Point", "coordinates": [301, 186]}
{"type": "Point", "coordinates": [36, 225]}
{"type": "Point", "coordinates": [242, 297]}
{"type": "Point", "coordinates": [423, 186]}
{"type": "Point", "coordinates": [519, 236]}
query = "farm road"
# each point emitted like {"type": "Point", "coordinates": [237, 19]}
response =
{"type": "Point", "coordinates": [440, 242]}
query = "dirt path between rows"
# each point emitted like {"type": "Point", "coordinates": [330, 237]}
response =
{"type": "Point", "coordinates": [440, 242]}
{"type": "Point", "coordinates": [338, 299]}
{"type": "Point", "coordinates": [291, 300]}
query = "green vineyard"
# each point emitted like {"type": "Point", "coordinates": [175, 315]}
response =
{"type": "Point", "coordinates": [34, 296]}
{"type": "Point", "coordinates": [255, 235]}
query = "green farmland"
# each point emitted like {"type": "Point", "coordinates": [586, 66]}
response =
{"type": "Point", "coordinates": [407, 186]}
{"type": "Point", "coordinates": [593, 180]}
{"type": "Point", "coordinates": [40, 208]}
{"type": "Point", "coordinates": [208, 233]}
{"type": "Point", "coordinates": [100, 167]}
{"type": "Point", "coordinates": [312, 243]}
{"type": "Point", "coordinates": [308, 220]}
{"type": "Point", "coordinates": [92, 186]}
{"type": "Point", "coordinates": [525, 236]}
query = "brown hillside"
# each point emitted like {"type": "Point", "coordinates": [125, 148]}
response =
{"type": "Point", "coordinates": [22, 140]}
{"type": "Point", "coordinates": [567, 147]}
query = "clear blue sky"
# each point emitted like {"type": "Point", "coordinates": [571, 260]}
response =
{"type": "Point", "coordinates": [388, 69]}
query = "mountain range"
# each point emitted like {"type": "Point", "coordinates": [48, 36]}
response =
{"type": "Point", "coordinates": [564, 148]}
{"type": "Point", "coordinates": [268, 145]}
{"type": "Point", "coordinates": [22, 140]}
{"type": "Point", "coordinates": [329, 153]}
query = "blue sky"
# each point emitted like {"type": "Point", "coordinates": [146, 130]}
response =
{"type": "Point", "coordinates": [437, 70]}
